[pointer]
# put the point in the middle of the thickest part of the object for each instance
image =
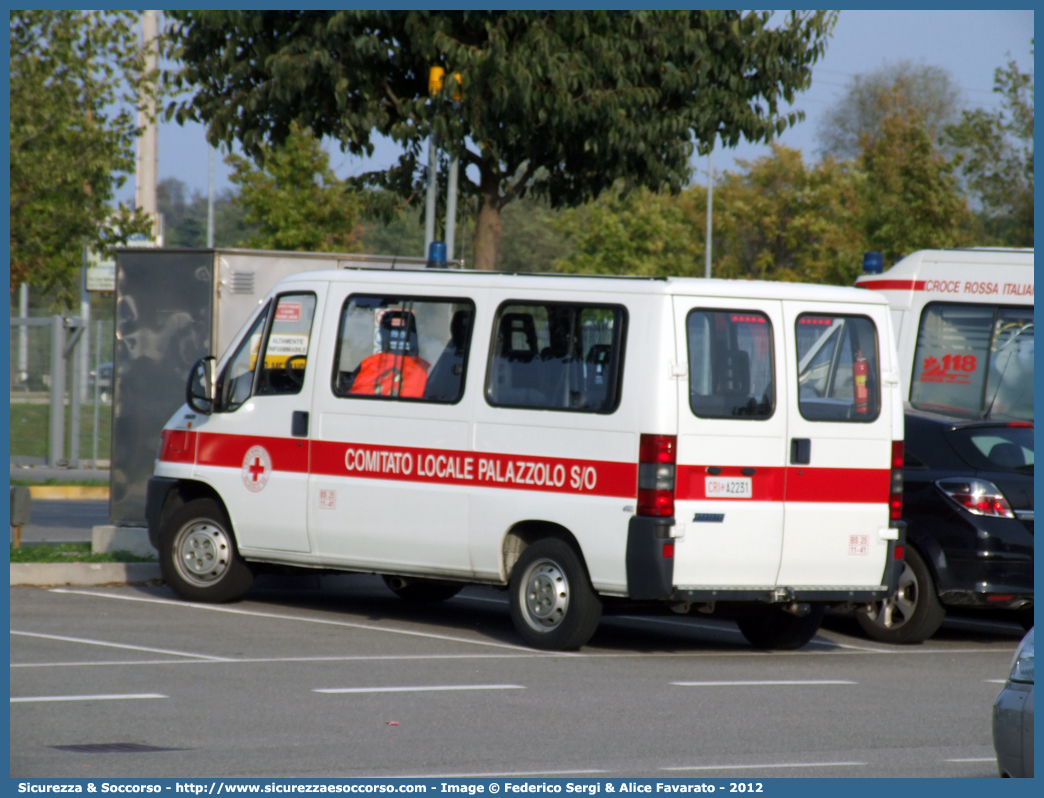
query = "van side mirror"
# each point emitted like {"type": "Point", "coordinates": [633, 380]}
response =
{"type": "Point", "coordinates": [199, 392]}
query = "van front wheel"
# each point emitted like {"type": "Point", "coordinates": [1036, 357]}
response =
{"type": "Point", "coordinates": [553, 605]}
{"type": "Point", "coordinates": [198, 554]}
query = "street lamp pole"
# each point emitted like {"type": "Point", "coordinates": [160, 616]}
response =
{"type": "Point", "coordinates": [710, 210]}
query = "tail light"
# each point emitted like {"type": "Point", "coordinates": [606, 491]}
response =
{"type": "Point", "coordinates": [656, 458]}
{"type": "Point", "coordinates": [895, 489]}
{"type": "Point", "coordinates": [977, 496]}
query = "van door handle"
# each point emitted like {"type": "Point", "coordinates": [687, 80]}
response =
{"type": "Point", "coordinates": [800, 451]}
{"type": "Point", "coordinates": [299, 424]}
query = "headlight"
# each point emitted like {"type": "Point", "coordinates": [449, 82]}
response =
{"type": "Point", "coordinates": [1022, 664]}
{"type": "Point", "coordinates": [977, 496]}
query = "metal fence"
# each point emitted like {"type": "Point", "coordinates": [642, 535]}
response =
{"type": "Point", "coordinates": [61, 391]}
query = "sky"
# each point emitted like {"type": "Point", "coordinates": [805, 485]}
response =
{"type": "Point", "coordinates": [970, 45]}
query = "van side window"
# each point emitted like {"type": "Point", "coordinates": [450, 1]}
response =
{"type": "Point", "coordinates": [403, 348]}
{"type": "Point", "coordinates": [556, 356]}
{"type": "Point", "coordinates": [236, 382]}
{"type": "Point", "coordinates": [286, 350]}
{"type": "Point", "coordinates": [974, 360]}
{"type": "Point", "coordinates": [839, 376]}
{"type": "Point", "coordinates": [730, 364]}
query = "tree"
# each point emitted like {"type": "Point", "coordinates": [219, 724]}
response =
{"type": "Point", "coordinates": [775, 219]}
{"type": "Point", "coordinates": [928, 90]}
{"type": "Point", "coordinates": [557, 104]}
{"type": "Point", "coordinates": [185, 220]}
{"type": "Point", "coordinates": [911, 198]}
{"type": "Point", "coordinates": [997, 150]}
{"type": "Point", "coordinates": [295, 199]}
{"type": "Point", "coordinates": [780, 219]}
{"type": "Point", "coordinates": [641, 232]}
{"type": "Point", "coordinates": [75, 81]}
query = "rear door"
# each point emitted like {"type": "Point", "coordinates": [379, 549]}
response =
{"type": "Point", "coordinates": [839, 430]}
{"type": "Point", "coordinates": [732, 430]}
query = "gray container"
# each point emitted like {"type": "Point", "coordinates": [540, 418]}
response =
{"type": "Point", "coordinates": [174, 306]}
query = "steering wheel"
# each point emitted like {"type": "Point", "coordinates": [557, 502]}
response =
{"type": "Point", "coordinates": [297, 378]}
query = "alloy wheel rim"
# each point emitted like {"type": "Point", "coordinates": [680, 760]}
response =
{"type": "Point", "coordinates": [897, 610]}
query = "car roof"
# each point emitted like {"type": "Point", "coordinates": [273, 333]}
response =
{"type": "Point", "coordinates": [453, 279]}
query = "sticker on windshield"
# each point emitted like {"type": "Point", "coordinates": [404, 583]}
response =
{"type": "Point", "coordinates": [729, 488]}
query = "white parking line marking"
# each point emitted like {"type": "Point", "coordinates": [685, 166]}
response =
{"type": "Point", "coordinates": [110, 697]}
{"type": "Point", "coordinates": [764, 682]}
{"type": "Point", "coordinates": [119, 645]}
{"type": "Point", "coordinates": [974, 759]}
{"type": "Point", "coordinates": [772, 765]}
{"type": "Point", "coordinates": [995, 681]}
{"type": "Point", "coordinates": [423, 689]}
{"type": "Point", "coordinates": [281, 617]}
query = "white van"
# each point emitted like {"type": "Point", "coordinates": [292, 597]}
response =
{"type": "Point", "coordinates": [964, 320]}
{"type": "Point", "coordinates": [587, 442]}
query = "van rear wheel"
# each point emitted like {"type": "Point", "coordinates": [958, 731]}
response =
{"type": "Point", "coordinates": [553, 605]}
{"type": "Point", "coordinates": [772, 627]}
{"type": "Point", "coordinates": [198, 556]}
{"type": "Point", "coordinates": [910, 615]}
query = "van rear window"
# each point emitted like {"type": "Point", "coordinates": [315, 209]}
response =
{"type": "Point", "coordinates": [974, 361]}
{"type": "Point", "coordinates": [730, 364]}
{"type": "Point", "coordinates": [556, 356]}
{"type": "Point", "coordinates": [403, 348]}
{"type": "Point", "coordinates": [839, 375]}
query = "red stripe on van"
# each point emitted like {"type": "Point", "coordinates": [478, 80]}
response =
{"type": "Point", "coordinates": [892, 285]}
{"type": "Point", "coordinates": [795, 483]}
{"type": "Point", "coordinates": [179, 446]}
{"type": "Point", "coordinates": [288, 454]}
{"type": "Point", "coordinates": [479, 469]}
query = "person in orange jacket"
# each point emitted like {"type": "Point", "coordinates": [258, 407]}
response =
{"type": "Point", "coordinates": [396, 370]}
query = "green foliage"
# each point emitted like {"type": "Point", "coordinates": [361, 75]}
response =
{"type": "Point", "coordinates": [636, 233]}
{"type": "Point", "coordinates": [927, 90]}
{"type": "Point", "coordinates": [560, 104]}
{"type": "Point", "coordinates": [75, 77]}
{"type": "Point", "coordinates": [911, 198]}
{"type": "Point", "coordinates": [72, 552]}
{"type": "Point", "coordinates": [185, 221]}
{"type": "Point", "coordinates": [295, 199]}
{"type": "Point", "coordinates": [783, 220]}
{"type": "Point", "coordinates": [998, 157]}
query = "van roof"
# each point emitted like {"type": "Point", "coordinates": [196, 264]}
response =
{"type": "Point", "coordinates": [588, 283]}
{"type": "Point", "coordinates": [982, 256]}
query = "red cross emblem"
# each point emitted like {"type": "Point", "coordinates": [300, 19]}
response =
{"type": "Point", "coordinates": [257, 468]}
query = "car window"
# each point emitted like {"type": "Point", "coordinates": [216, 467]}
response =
{"type": "Point", "coordinates": [839, 376]}
{"type": "Point", "coordinates": [556, 356]}
{"type": "Point", "coordinates": [974, 361]}
{"type": "Point", "coordinates": [236, 382]}
{"type": "Point", "coordinates": [403, 348]}
{"type": "Point", "coordinates": [286, 350]}
{"type": "Point", "coordinates": [730, 364]}
{"type": "Point", "coordinates": [995, 448]}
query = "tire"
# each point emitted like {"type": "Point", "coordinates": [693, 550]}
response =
{"type": "Point", "coordinates": [428, 590]}
{"type": "Point", "coordinates": [772, 627]}
{"type": "Point", "coordinates": [913, 613]}
{"type": "Point", "coordinates": [1025, 617]}
{"type": "Point", "coordinates": [553, 605]}
{"type": "Point", "coordinates": [198, 555]}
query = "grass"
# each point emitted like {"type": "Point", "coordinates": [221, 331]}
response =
{"type": "Point", "coordinates": [30, 429]}
{"type": "Point", "coordinates": [71, 552]}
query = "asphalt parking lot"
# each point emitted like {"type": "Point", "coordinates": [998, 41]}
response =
{"type": "Point", "coordinates": [334, 676]}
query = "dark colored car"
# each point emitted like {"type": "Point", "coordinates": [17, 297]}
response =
{"type": "Point", "coordinates": [1013, 716]}
{"type": "Point", "coordinates": [968, 506]}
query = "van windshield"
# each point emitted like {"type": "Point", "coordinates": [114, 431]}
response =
{"type": "Point", "coordinates": [975, 361]}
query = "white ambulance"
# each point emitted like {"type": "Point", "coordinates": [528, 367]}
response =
{"type": "Point", "coordinates": [964, 320]}
{"type": "Point", "coordinates": [588, 443]}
